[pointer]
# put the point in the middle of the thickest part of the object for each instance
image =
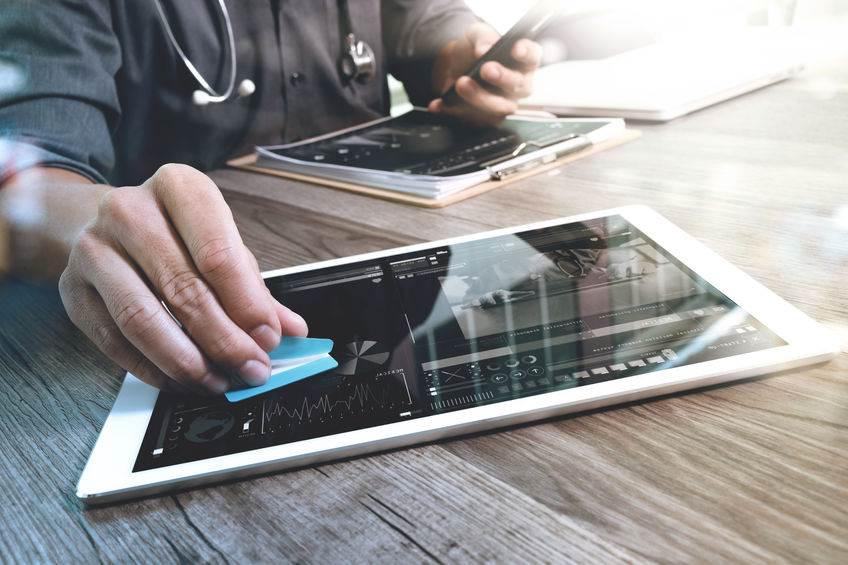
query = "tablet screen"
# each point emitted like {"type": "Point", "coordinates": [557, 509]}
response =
{"type": "Point", "coordinates": [475, 323]}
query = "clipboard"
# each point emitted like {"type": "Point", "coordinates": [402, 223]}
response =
{"type": "Point", "coordinates": [248, 163]}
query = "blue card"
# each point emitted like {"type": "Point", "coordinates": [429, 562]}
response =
{"type": "Point", "coordinates": [295, 359]}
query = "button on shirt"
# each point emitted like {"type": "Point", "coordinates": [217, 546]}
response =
{"type": "Point", "coordinates": [103, 92]}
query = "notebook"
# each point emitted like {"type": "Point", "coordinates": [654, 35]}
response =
{"type": "Point", "coordinates": [670, 78]}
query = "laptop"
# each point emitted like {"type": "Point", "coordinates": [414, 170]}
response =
{"type": "Point", "coordinates": [681, 71]}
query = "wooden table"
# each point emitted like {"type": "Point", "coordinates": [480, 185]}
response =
{"type": "Point", "coordinates": [756, 471]}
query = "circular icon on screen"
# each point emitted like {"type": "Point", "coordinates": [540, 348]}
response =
{"type": "Point", "coordinates": [209, 427]}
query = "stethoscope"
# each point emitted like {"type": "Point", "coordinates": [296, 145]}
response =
{"type": "Point", "coordinates": [357, 61]}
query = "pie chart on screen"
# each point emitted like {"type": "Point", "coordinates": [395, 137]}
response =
{"type": "Point", "coordinates": [362, 356]}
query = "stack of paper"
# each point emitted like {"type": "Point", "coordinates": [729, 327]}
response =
{"type": "Point", "coordinates": [429, 186]}
{"type": "Point", "coordinates": [434, 156]}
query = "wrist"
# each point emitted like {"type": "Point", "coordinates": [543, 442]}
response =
{"type": "Point", "coordinates": [42, 211]}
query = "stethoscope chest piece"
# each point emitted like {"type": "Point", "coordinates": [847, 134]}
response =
{"type": "Point", "coordinates": [358, 61]}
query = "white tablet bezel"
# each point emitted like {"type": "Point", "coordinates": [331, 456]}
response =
{"type": "Point", "coordinates": [108, 474]}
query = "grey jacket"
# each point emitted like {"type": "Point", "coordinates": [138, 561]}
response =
{"type": "Point", "coordinates": [99, 90]}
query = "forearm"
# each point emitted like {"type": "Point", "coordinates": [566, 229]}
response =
{"type": "Point", "coordinates": [42, 211]}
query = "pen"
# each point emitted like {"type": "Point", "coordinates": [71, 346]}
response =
{"type": "Point", "coordinates": [546, 155]}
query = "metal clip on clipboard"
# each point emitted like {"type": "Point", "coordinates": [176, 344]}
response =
{"type": "Point", "coordinates": [514, 163]}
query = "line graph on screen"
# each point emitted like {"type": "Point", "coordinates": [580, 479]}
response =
{"type": "Point", "coordinates": [348, 399]}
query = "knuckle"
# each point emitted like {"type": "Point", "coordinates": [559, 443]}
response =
{"type": "Point", "coordinates": [105, 339]}
{"type": "Point", "coordinates": [216, 256]}
{"type": "Point", "coordinates": [66, 288]}
{"type": "Point", "coordinates": [102, 338]}
{"type": "Point", "coordinates": [71, 296]}
{"type": "Point", "coordinates": [173, 176]}
{"type": "Point", "coordinates": [186, 292]}
{"type": "Point", "coordinates": [227, 349]}
{"type": "Point", "coordinates": [174, 173]}
{"type": "Point", "coordinates": [187, 368]}
{"type": "Point", "coordinates": [255, 312]}
{"type": "Point", "coordinates": [137, 317]}
{"type": "Point", "coordinates": [87, 246]}
{"type": "Point", "coordinates": [117, 206]}
{"type": "Point", "coordinates": [137, 365]}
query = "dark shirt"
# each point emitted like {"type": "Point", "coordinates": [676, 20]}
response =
{"type": "Point", "coordinates": [103, 92]}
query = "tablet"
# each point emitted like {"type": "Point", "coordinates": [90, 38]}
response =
{"type": "Point", "coordinates": [464, 335]}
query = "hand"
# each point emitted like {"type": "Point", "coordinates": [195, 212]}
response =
{"type": "Point", "coordinates": [172, 240]}
{"type": "Point", "coordinates": [480, 105]}
{"type": "Point", "coordinates": [627, 264]}
{"type": "Point", "coordinates": [498, 297]}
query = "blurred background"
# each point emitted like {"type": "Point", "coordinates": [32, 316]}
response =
{"type": "Point", "coordinates": [594, 30]}
{"type": "Point", "coordinates": [811, 31]}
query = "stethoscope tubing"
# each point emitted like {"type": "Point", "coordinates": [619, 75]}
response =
{"type": "Point", "coordinates": [358, 56]}
{"type": "Point", "coordinates": [214, 96]}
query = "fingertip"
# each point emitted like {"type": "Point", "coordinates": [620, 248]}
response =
{"type": "Point", "coordinates": [255, 373]}
{"type": "Point", "coordinates": [292, 323]}
{"type": "Point", "coordinates": [435, 106]}
{"type": "Point", "coordinates": [527, 52]}
{"type": "Point", "coordinates": [299, 327]}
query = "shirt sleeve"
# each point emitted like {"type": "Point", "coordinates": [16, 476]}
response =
{"type": "Point", "coordinates": [413, 32]}
{"type": "Point", "coordinates": [58, 96]}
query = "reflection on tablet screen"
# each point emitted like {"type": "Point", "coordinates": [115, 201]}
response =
{"type": "Point", "coordinates": [470, 324]}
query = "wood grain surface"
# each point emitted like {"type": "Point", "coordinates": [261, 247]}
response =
{"type": "Point", "coordinates": [753, 472]}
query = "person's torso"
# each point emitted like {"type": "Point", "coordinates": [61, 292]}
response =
{"type": "Point", "coordinates": [290, 49]}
